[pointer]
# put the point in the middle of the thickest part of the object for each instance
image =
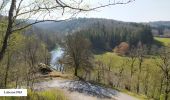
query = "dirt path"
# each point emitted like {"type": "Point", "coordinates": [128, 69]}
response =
{"type": "Point", "coordinates": [79, 90]}
{"type": "Point", "coordinates": [81, 96]}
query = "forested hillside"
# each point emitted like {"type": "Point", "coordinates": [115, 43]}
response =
{"type": "Point", "coordinates": [104, 34]}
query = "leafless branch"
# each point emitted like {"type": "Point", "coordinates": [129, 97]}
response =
{"type": "Point", "coordinates": [36, 22]}
{"type": "Point", "coordinates": [64, 5]}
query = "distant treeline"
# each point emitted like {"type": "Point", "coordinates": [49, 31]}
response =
{"type": "Point", "coordinates": [104, 34]}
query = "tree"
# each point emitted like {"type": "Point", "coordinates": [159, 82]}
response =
{"type": "Point", "coordinates": [122, 48]}
{"type": "Point", "coordinates": [21, 59]}
{"type": "Point", "coordinates": [132, 54]}
{"type": "Point", "coordinates": [164, 65]}
{"type": "Point", "coordinates": [77, 52]}
{"type": "Point", "coordinates": [33, 54]}
{"type": "Point", "coordinates": [42, 9]}
{"type": "Point", "coordinates": [141, 51]}
{"type": "Point", "coordinates": [14, 42]}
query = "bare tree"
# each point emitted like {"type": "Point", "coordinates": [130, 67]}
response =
{"type": "Point", "coordinates": [164, 64]}
{"type": "Point", "coordinates": [141, 51]}
{"type": "Point", "coordinates": [146, 81]}
{"type": "Point", "coordinates": [77, 52]}
{"type": "Point", "coordinates": [101, 69]}
{"type": "Point", "coordinates": [120, 74]}
{"type": "Point", "coordinates": [132, 59]}
{"type": "Point", "coordinates": [9, 29]}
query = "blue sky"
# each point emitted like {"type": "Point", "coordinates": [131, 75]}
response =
{"type": "Point", "coordinates": [137, 11]}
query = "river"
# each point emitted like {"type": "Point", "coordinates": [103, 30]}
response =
{"type": "Point", "coordinates": [56, 54]}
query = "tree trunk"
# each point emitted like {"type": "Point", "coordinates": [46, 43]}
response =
{"type": "Point", "coordinates": [140, 70]}
{"type": "Point", "coordinates": [131, 74]}
{"type": "Point", "coordinates": [161, 85]}
{"type": "Point", "coordinates": [137, 87]}
{"type": "Point", "coordinates": [166, 95]}
{"type": "Point", "coordinates": [9, 29]}
{"type": "Point", "coordinates": [132, 65]}
{"type": "Point", "coordinates": [76, 67]}
{"type": "Point", "coordinates": [146, 82]}
{"type": "Point", "coordinates": [146, 88]}
{"type": "Point", "coordinates": [75, 71]}
{"type": "Point", "coordinates": [16, 82]}
{"type": "Point", "coordinates": [167, 87]}
{"type": "Point", "coordinates": [6, 71]}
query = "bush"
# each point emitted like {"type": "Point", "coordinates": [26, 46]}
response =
{"type": "Point", "coordinates": [122, 48]}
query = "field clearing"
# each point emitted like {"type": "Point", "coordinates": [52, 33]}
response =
{"type": "Point", "coordinates": [116, 61]}
{"type": "Point", "coordinates": [165, 41]}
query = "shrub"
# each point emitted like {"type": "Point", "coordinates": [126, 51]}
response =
{"type": "Point", "coordinates": [122, 48]}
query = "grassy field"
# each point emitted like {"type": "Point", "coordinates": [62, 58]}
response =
{"type": "Point", "coordinates": [116, 61]}
{"type": "Point", "coordinates": [164, 41]}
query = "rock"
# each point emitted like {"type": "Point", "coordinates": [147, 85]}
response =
{"type": "Point", "coordinates": [44, 69]}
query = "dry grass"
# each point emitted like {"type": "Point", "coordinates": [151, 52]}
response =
{"type": "Point", "coordinates": [57, 75]}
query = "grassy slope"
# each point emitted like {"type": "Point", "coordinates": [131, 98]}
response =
{"type": "Point", "coordinates": [164, 41]}
{"type": "Point", "coordinates": [116, 61]}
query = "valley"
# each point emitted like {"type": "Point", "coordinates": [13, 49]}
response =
{"type": "Point", "coordinates": [85, 49]}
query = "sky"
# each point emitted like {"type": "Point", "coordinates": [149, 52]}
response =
{"type": "Point", "coordinates": [137, 11]}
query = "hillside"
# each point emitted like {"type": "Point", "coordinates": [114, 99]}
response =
{"type": "Point", "coordinates": [80, 23]}
{"type": "Point", "coordinates": [160, 28]}
{"type": "Point", "coordinates": [72, 25]}
{"type": "Point", "coordinates": [104, 34]}
{"type": "Point", "coordinates": [160, 23]}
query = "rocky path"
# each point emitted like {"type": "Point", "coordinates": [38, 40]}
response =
{"type": "Point", "coordinates": [79, 90]}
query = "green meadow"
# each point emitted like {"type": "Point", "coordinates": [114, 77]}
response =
{"type": "Point", "coordinates": [164, 41]}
